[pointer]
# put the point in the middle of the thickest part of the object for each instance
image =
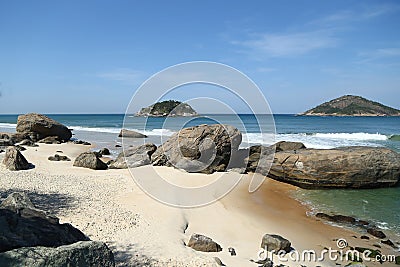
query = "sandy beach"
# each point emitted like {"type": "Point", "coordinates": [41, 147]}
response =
{"type": "Point", "coordinates": [108, 206]}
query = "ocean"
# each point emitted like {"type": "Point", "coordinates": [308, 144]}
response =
{"type": "Point", "coordinates": [381, 206]}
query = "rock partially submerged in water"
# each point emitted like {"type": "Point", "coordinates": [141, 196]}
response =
{"type": "Point", "coordinates": [131, 134]}
{"type": "Point", "coordinates": [345, 167]}
{"type": "Point", "coordinates": [39, 126]}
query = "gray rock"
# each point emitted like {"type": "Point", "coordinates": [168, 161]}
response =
{"type": "Point", "coordinates": [131, 134]}
{"type": "Point", "coordinates": [27, 142]}
{"type": "Point", "coordinates": [219, 261]}
{"type": "Point", "coordinates": [83, 253]}
{"type": "Point", "coordinates": [203, 148]}
{"type": "Point", "coordinates": [14, 160]}
{"type": "Point", "coordinates": [50, 140]}
{"type": "Point", "coordinates": [90, 160]}
{"type": "Point", "coordinates": [346, 167]}
{"type": "Point", "coordinates": [376, 232]}
{"type": "Point", "coordinates": [285, 145]}
{"type": "Point", "coordinates": [275, 243]}
{"type": "Point", "coordinates": [22, 225]}
{"type": "Point", "coordinates": [104, 152]}
{"type": "Point", "coordinates": [134, 157]}
{"type": "Point", "coordinates": [57, 157]}
{"type": "Point", "coordinates": [39, 126]}
{"type": "Point", "coordinates": [203, 243]}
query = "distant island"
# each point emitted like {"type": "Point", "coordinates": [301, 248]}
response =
{"type": "Point", "coordinates": [350, 105]}
{"type": "Point", "coordinates": [168, 108]}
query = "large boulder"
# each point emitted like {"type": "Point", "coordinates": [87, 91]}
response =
{"type": "Point", "coordinates": [83, 253]}
{"type": "Point", "coordinates": [286, 145]}
{"type": "Point", "coordinates": [346, 167]}
{"type": "Point", "coordinates": [39, 126]}
{"type": "Point", "coordinates": [90, 160]}
{"type": "Point", "coordinates": [134, 157]}
{"type": "Point", "coordinates": [275, 243]}
{"type": "Point", "coordinates": [14, 160]}
{"type": "Point", "coordinates": [22, 225]}
{"type": "Point", "coordinates": [203, 243]}
{"type": "Point", "coordinates": [203, 148]}
{"type": "Point", "coordinates": [131, 134]}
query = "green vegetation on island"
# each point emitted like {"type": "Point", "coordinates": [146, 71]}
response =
{"type": "Point", "coordinates": [168, 108]}
{"type": "Point", "coordinates": [350, 105]}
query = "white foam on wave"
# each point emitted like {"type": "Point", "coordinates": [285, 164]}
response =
{"type": "Point", "coordinates": [8, 125]}
{"type": "Point", "coordinates": [352, 136]}
{"type": "Point", "coordinates": [318, 140]}
{"type": "Point", "coordinates": [154, 132]}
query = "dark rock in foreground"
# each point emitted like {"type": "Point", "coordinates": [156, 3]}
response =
{"type": "Point", "coordinates": [104, 151]}
{"type": "Point", "coordinates": [83, 253]}
{"type": "Point", "coordinates": [39, 126]}
{"type": "Point", "coordinates": [203, 148]}
{"type": "Point", "coordinates": [203, 243]}
{"type": "Point", "coordinates": [90, 160]}
{"type": "Point", "coordinates": [275, 243]}
{"type": "Point", "coordinates": [22, 225]}
{"type": "Point", "coordinates": [376, 232]}
{"type": "Point", "coordinates": [346, 167]}
{"type": "Point", "coordinates": [14, 160]}
{"type": "Point", "coordinates": [131, 134]}
{"type": "Point", "coordinates": [134, 157]}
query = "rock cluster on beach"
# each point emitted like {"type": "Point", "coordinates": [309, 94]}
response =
{"type": "Point", "coordinates": [32, 237]}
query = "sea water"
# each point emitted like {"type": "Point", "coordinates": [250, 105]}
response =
{"type": "Point", "coordinates": [382, 206]}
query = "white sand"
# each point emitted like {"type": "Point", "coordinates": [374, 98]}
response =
{"type": "Point", "coordinates": [108, 206]}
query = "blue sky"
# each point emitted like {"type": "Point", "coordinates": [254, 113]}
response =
{"type": "Point", "coordinates": [91, 56]}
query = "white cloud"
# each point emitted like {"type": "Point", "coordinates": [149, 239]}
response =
{"type": "Point", "coordinates": [379, 54]}
{"type": "Point", "coordinates": [122, 74]}
{"type": "Point", "coordinates": [292, 44]}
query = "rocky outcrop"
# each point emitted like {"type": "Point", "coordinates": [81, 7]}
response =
{"type": "Point", "coordinates": [134, 157]}
{"type": "Point", "coordinates": [57, 157]}
{"type": "Point", "coordinates": [203, 243]}
{"type": "Point", "coordinates": [22, 225]}
{"type": "Point", "coordinates": [169, 108]}
{"type": "Point", "coordinates": [14, 160]}
{"type": "Point", "coordinates": [131, 134]}
{"type": "Point", "coordinates": [286, 145]}
{"type": "Point", "coordinates": [104, 152]}
{"type": "Point", "coordinates": [203, 148]}
{"type": "Point", "coordinates": [83, 253]}
{"type": "Point", "coordinates": [38, 126]}
{"type": "Point", "coordinates": [90, 160]}
{"type": "Point", "coordinates": [275, 243]}
{"type": "Point", "coordinates": [346, 167]}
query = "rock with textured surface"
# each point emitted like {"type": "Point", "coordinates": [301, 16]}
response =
{"type": "Point", "coordinates": [203, 243]}
{"type": "Point", "coordinates": [345, 167]}
{"type": "Point", "coordinates": [134, 157]}
{"type": "Point", "coordinates": [39, 126]}
{"type": "Point", "coordinates": [14, 160]}
{"type": "Point", "coordinates": [83, 253]}
{"type": "Point", "coordinates": [131, 134]}
{"type": "Point", "coordinates": [203, 148]}
{"type": "Point", "coordinates": [57, 157]}
{"type": "Point", "coordinates": [50, 140]}
{"type": "Point", "coordinates": [22, 225]}
{"type": "Point", "coordinates": [275, 243]}
{"type": "Point", "coordinates": [90, 160]}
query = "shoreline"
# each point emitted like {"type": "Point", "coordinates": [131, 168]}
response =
{"type": "Point", "coordinates": [108, 206]}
